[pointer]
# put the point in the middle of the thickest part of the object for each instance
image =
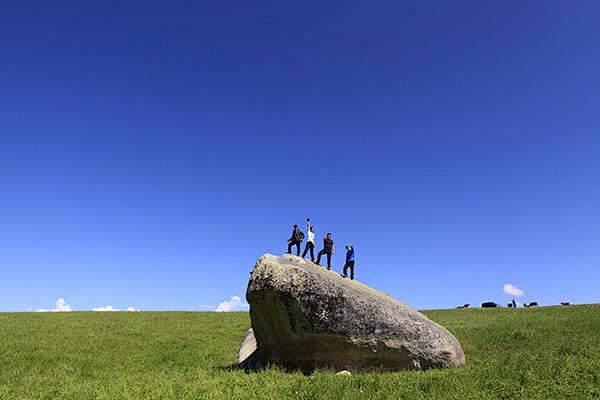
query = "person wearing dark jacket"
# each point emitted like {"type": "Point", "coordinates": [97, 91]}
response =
{"type": "Point", "coordinates": [295, 240]}
{"type": "Point", "coordinates": [349, 262]}
{"type": "Point", "coordinates": [327, 249]}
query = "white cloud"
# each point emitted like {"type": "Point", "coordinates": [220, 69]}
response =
{"type": "Point", "coordinates": [110, 308]}
{"type": "Point", "coordinates": [513, 290]}
{"type": "Point", "coordinates": [234, 304]}
{"type": "Point", "coordinates": [105, 308]}
{"type": "Point", "coordinates": [60, 306]}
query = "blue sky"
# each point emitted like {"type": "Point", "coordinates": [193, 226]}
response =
{"type": "Point", "coordinates": [149, 156]}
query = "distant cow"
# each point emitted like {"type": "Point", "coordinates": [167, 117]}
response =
{"type": "Point", "coordinates": [565, 303]}
{"type": "Point", "coordinates": [509, 305]}
{"type": "Point", "coordinates": [464, 306]}
{"type": "Point", "coordinates": [531, 304]}
{"type": "Point", "coordinates": [489, 304]}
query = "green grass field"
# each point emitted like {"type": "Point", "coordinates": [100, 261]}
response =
{"type": "Point", "coordinates": [545, 353]}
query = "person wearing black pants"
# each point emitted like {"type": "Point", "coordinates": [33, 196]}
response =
{"type": "Point", "coordinates": [310, 242]}
{"type": "Point", "coordinates": [295, 240]}
{"type": "Point", "coordinates": [327, 249]}
{"type": "Point", "coordinates": [349, 262]}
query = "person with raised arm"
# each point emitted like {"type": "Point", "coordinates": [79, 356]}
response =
{"type": "Point", "coordinates": [349, 261]}
{"type": "Point", "coordinates": [310, 242]}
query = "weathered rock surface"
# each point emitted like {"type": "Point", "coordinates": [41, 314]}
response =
{"type": "Point", "coordinates": [344, 373]}
{"type": "Point", "coordinates": [248, 346]}
{"type": "Point", "coordinates": [247, 356]}
{"type": "Point", "coordinates": [304, 317]}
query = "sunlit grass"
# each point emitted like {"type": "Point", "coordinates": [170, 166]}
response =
{"type": "Point", "coordinates": [545, 353]}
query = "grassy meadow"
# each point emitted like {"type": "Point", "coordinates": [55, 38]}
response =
{"type": "Point", "coordinates": [544, 353]}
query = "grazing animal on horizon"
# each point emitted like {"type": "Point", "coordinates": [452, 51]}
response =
{"type": "Point", "coordinates": [464, 306]}
{"type": "Point", "coordinates": [565, 303]}
{"type": "Point", "coordinates": [489, 304]}
{"type": "Point", "coordinates": [531, 304]}
{"type": "Point", "coordinates": [509, 305]}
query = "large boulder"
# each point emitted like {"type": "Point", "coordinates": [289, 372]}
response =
{"type": "Point", "coordinates": [304, 317]}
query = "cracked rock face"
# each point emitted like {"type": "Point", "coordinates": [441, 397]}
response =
{"type": "Point", "coordinates": [305, 317]}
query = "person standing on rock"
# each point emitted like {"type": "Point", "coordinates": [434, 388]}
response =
{"type": "Point", "coordinates": [327, 249]}
{"type": "Point", "coordinates": [295, 240]}
{"type": "Point", "coordinates": [349, 261]}
{"type": "Point", "coordinates": [310, 242]}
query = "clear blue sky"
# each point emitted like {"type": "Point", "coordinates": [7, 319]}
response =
{"type": "Point", "coordinates": [150, 154]}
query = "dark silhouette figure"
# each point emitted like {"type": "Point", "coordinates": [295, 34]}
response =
{"type": "Point", "coordinates": [349, 262]}
{"type": "Point", "coordinates": [514, 303]}
{"type": "Point", "coordinates": [295, 240]}
{"type": "Point", "coordinates": [489, 304]}
{"type": "Point", "coordinates": [327, 249]}
{"type": "Point", "coordinates": [310, 242]}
